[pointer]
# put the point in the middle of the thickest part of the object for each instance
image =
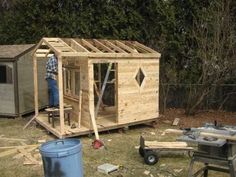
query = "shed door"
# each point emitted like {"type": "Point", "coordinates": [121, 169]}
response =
{"type": "Point", "coordinates": [108, 106]}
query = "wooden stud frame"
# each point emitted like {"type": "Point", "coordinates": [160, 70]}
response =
{"type": "Point", "coordinates": [128, 57]}
{"type": "Point", "coordinates": [61, 100]}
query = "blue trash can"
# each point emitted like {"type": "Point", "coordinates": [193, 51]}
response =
{"type": "Point", "coordinates": [62, 158]}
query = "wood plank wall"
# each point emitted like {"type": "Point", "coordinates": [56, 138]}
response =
{"type": "Point", "coordinates": [136, 102]}
{"type": "Point", "coordinates": [82, 63]}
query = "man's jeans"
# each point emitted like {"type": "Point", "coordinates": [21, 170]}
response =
{"type": "Point", "coordinates": [53, 92]}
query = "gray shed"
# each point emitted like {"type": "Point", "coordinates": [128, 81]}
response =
{"type": "Point", "coordinates": [16, 80]}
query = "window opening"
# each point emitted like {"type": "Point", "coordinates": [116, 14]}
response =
{"type": "Point", "coordinates": [71, 82]}
{"type": "Point", "coordinates": [140, 77]}
{"type": "Point", "coordinates": [5, 74]}
{"type": "Point", "coordinates": [100, 70]}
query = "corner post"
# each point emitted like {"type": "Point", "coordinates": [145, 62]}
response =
{"type": "Point", "coordinates": [36, 105]}
{"type": "Point", "coordinates": [61, 101]}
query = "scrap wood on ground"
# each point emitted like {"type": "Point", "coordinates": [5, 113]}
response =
{"type": "Point", "coordinates": [29, 152]}
{"type": "Point", "coordinates": [119, 149]}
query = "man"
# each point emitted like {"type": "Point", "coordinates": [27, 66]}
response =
{"type": "Point", "coordinates": [51, 74]}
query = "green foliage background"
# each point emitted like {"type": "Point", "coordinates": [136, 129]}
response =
{"type": "Point", "coordinates": [165, 25]}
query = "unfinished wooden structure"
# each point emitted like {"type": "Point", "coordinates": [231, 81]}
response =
{"type": "Point", "coordinates": [16, 80]}
{"type": "Point", "coordinates": [109, 83]}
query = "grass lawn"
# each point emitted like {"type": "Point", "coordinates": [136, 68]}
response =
{"type": "Point", "coordinates": [119, 150]}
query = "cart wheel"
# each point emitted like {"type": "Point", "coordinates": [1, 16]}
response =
{"type": "Point", "coordinates": [150, 158]}
{"type": "Point", "coordinates": [141, 151]}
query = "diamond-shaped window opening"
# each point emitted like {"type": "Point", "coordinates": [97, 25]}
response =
{"type": "Point", "coordinates": [140, 77]}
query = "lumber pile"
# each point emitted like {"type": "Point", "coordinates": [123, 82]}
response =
{"type": "Point", "coordinates": [167, 145]}
{"type": "Point", "coordinates": [28, 152]}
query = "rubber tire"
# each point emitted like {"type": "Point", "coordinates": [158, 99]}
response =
{"type": "Point", "coordinates": [141, 151]}
{"type": "Point", "coordinates": [150, 158]}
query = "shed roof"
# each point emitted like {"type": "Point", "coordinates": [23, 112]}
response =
{"type": "Point", "coordinates": [13, 51]}
{"type": "Point", "coordinates": [94, 48]}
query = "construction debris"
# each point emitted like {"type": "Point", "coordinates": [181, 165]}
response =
{"type": "Point", "coordinates": [25, 151]}
{"type": "Point", "coordinates": [12, 139]}
{"type": "Point", "coordinates": [163, 165]}
{"type": "Point", "coordinates": [176, 122]}
{"type": "Point", "coordinates": [146, 172]}
{"type": "Point", "coordinates": [163, 134]}
{"type": "Point", "coordinates": [166, 122]}
{"type": "Point", "coordinates": [107, 168]}
{"type": "Point", "coordinates": [178, 170]}
{"type": "Point", "coordinates": [42, 141]}
{"type": "Point", "coordinates": [30, 152]}
{"type": "Point", "coordinates": [19, 146]}
{"type": "Point", "coordinates": [152, 133]}
{"type": "Point", "coordinates": [8, 152]}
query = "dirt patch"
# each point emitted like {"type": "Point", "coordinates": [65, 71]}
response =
{"type": "Point", "coordinates": [222, 117]}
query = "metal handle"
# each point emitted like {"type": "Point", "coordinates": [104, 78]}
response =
{"type": "Point", "coordinates": [62, 154]}
{"type": "Point", "coordinates": [60, 141]}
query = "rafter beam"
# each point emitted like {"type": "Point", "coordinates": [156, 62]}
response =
{"type": "Point", "coordinates": [131, 44]}
{"type": "Point", "coordinates": [57, 52]}
{"type": "Point", "coordinates": [78, 47]}
{"type": "Point", "coordinates": [42, 50]}
{"type": "Point", "coordinates": [114, 46]}
{"type": "Point", "coordinates": [103, 46]}
{"type": "Point", "coordinates": [122, 45]}
{"type": "Point", "coordinates": [67, 47]}
{"type": "Point", "coordinates": [37, 46]}
{"type": "Point", "coordinates": [40, 55]}
{"type": "Point", "coordinates": [145, 47]}
{"type": "Point", "coordinates": [64, 49]}
{"type": "Point", "coordinates": [90, 46]}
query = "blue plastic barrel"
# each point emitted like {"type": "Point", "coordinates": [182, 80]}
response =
{"type": "Point", "coordinates": [62, 158]}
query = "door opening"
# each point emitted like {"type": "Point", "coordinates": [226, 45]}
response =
{"type": "Point", "coordinates": [108, 105]}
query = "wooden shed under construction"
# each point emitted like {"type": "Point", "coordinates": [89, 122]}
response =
{"type": "Point", "coordinates": [108, 83]}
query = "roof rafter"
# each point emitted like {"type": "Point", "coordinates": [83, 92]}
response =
{"type": "Point", "coordinates": [144, 47]}
{"type": "Point", "coordinates": [94, 48]}
{"type": "Point", "coordinates": [114, 46]}
{"type": "Point", "coordinates": [121, 44]}
{"type": "Point", "coordinates": [66, 47]}
{"type": "Point", "coordinates": [48, 43]}
{"type": "Point", "coordinates": [78, 47]}
{"type": "Point", "coordinates": [90, 46]}
{"type": "Point", "coordinates": [103, 46]}
{"type": "Point", "coordinates": [37, 46]}
{"type": "Point", "coordinates": [131, 44]}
